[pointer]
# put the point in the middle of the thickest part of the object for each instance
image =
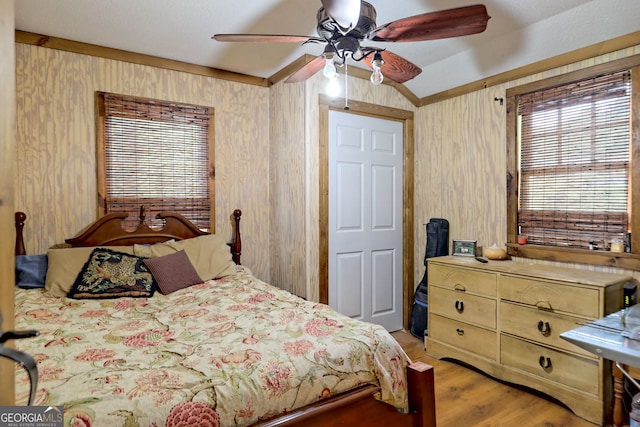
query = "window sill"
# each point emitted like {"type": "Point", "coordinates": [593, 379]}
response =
{"type": "Point", "coordinates": [629, 261]}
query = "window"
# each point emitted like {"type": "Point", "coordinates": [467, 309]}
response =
{"type": "Point", "coordinates": [570, 166]}
{"type": "Point", "coordinates": [155, 154]}
{"type": "Point", "coordinates": [574, 160]}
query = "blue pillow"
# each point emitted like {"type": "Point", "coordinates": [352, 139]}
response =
{"type": "Point", "coordinates": [31, 270]}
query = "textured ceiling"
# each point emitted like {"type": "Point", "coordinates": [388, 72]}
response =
{"type": "Point", "coordinates": [519, 32]}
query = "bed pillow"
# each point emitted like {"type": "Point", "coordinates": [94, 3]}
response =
{"type": "Point", "coordinates": [113, 274]}
{"type": "Point", "coordinates": [209, 254]}
{"type": "Point", "coordinates": [64, 265]}
{"type": "Point", "coordinates": [173, 272]}
{"type": "Point", "coordinates": [31, 271]}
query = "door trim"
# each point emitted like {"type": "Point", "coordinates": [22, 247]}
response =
{"type": "Point", "coordinates": [406, 117]}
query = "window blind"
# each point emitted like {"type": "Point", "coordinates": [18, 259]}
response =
{"type": "Point", "coordinates": [574, 162]}
{"type": "Point", "coordinates": [156, 155]}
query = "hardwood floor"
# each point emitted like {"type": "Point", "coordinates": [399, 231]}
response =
{"type": "Point", "coordinates": [465, 397]}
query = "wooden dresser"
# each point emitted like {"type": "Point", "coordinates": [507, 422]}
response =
{"type": "Point", "coordinates": [505, 318]}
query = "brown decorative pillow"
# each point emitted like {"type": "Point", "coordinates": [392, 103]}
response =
{"type": "Point", "coordinates": [173, 272]}
{"type": "Point", "coordinates": [111, 274]}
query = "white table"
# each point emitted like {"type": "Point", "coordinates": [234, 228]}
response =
{"type": "Point", "coordinates": [615, 337]}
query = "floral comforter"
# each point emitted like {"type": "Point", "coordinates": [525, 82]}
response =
{"type": "Point", "coordinates": [227, 352]}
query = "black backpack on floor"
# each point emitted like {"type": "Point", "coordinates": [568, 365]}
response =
{"type": "Point", "coordinates": [437, 245]}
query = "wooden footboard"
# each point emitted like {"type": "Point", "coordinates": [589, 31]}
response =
{"type": "Point", "coordinates": [359, 408]}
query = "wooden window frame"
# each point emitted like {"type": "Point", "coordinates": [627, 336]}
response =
{"type": "Point", "coordinates": [102, 166]}
{"type": "Point", "coordinates": [576, 255]}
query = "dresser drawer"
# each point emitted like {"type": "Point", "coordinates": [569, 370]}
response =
{"type": "Point", "coordinates": [464, 280]}
{"type": "Point", "coordinates": [538, 325]}
{"type": "Point", "coordinates": [463, 336]}
{"type": "Point", "coordinates": [550, 296]}
{"type": "Point", "coordinates": [557, 366]}
{"type": "Point", "coordinates": [462, 306]}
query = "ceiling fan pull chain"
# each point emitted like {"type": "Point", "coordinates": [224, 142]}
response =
{"type": "Point", "coordinates": [346, 87]}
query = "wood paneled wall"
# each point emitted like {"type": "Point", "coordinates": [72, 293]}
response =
{"type": "Point", "coordinates": [286, 183]}
{"type": "Point", "coordinates": [461, 162]}
{"type": "Point", "coordinates": [55, 180]}
{"type": "Point", "coordinates": [267, 158]}
{"type": "Point", "coordinates": [7, 168]}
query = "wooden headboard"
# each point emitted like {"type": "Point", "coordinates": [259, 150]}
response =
{"type": "Point", "coordinates": [108, 231]}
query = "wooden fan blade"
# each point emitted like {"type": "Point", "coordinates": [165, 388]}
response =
{"type": "Point", "coordinates": [395, 67]}
{"type": "Point", "coordinates": [443, 24]}
{"type": "Point", "coordinates": [307, 70]}
{"type": "Point", "coordinates": [263, 38]}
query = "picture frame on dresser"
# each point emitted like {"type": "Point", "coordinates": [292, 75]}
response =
{"type": "Point", "coordinates": [464, 247]}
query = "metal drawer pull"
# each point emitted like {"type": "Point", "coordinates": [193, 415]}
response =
{"type": "Point", "coordinates": [544, 328]}
{"type": "Point", "coordinates": [545, 362]}
{"type": "Point", "coordinates": [460, 288]}
{"type": "Point", "coordinates": [460, 331]}
{"type": "Point", "coordinates": [459, 306]}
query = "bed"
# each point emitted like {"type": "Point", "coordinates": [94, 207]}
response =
{"type": "Point", "coordinates": [189, 349]}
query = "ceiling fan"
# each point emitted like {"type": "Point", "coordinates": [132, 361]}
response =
{"type": "Point", "coordinates": [344, 24]}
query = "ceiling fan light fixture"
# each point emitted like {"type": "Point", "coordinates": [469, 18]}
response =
{"type": "Point", "coordinates": [377, 77]}
{"type": "Point", "coordinates": [342, 25]}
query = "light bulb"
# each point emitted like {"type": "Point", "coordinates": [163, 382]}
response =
{"type": "Point", "coordinates": [333, 87]}
{"type": "Point", "coordinates": [376, 76]}
{"type": "Point", "coordinates": [329, 70]}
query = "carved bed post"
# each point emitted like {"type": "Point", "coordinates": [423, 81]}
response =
{"type": "Point", "coordinates": [236, 243]}
{"type": "Point", "coordinates": [20, 217]}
